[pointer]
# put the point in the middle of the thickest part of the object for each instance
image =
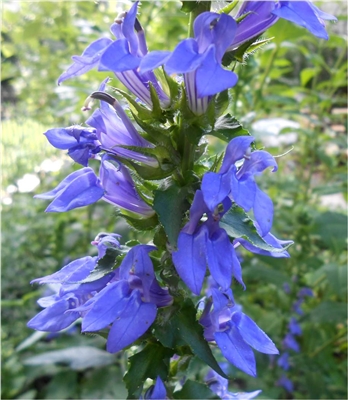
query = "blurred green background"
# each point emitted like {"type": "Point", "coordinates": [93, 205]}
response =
{"type": "Point", "coordinates": [292, 95]}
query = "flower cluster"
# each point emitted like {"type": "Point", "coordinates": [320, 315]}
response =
{"type": "Point", "coordinates": [148, 155]}
{"type": "Point", "coordinates": [289, 341]}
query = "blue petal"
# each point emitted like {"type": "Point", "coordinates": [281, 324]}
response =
{"type": "Point", "coordinates": [263, 211]}
{"type": "Point", "coordinates": [189, 260]}
{"type": "Point", "coordinates": [63, 184]}
{"type": "Point", "coordinates": [237, 268]}
{"type": "Point", "coordinates": [211, 78]}
{"type": "Point", "coordinates": [185, 57]}
{"type": "Point", "coordinates": [219, 257]}
{"type": "Point", "coordinates": [253, 335]}
{"type": "Point", "coordinates": [153, 60]}
{"type": "Point", "coordinates": [215, 188]}
{"type": "Point", "coordinates": [117, 58]}
{"type": "Point", "coordinates": [235, 150]}
{"type": "Point", "coordinates": [73, 272]}
{"type": "Point", "coordinates": [218, 29]}
{"type": "Point", "coordinates": [128, 28]}
{"type": "Point", "coordinates": [198, 208]}
{"type": "Point", "coordinates": [89, 59]}
{"type": "Point", "coordinates": [109, 305]}
{"type": "Point", "coordinates": [134, 321]}
{"type": "Point", "coordinates": [53, 318]}
{"type": "Point", "coordinates": [157, 392]}
{"type": "Point", "coordinates": [235, 350]}
{"type": "Point", "coordinates": [244, 191]}
{"type": "Point", "coordinates": [301, 13]}
{"type": "Point", "coordinates": [82, 191]}
{"type": "Point", "coordinates": [257, 162]}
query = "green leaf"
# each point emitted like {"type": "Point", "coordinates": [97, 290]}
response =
{"type": "Point", "coordinates": [265, 274]}
{"type": "Point", "coordinates": [171, 204]}
{"type": "Point", "coordinates": [222, 101]}
{"type": "Point", "coordinates": [141, 111]}
{"type": "Point", "coordinates": [329, 312]}
{"type": "Point", "coordinates": [166, 162]}
{"type": "Point", "coordinates": [228, 128]}
{"type": "Point", "coordinates": [332, 229]}
{"type": "Point", "coordinates": [307, 74]}
{"type": "Point", "coordinates": [151, 362]}
{"type": "Point", "coordinates": [104, 265]}
{"type": "Point", "coordinates": [183, 327]}
{"type": "Point", "coordinates": [145, 224]}
{"type": "Point", "coordinates": [194, 390]}
{"type": "Point", "coordinates": [237, 224]}
{"type": "Point", "coordinates": [157, 113]}
{"type": "Point", "coordinates": [78, 358]}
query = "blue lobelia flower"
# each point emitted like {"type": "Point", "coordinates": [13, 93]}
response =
{"type": "Point", "coordinates": [289, 342]}
{"type": "Point", "coordinates": [202, 244]}
{"type": "Point", "coordinates": [78, 189]}
{"type": "Point", "coordinates": [261, 15]}
{"type": "Point", "coordinates": [238, 182]}
{"type": "Point", "coordinates": [306, 14]}
{"type": "Point", "coordinates": [122, 57]}
{"type": "Point", "coordinates": [114, 129]}
{"type": "Point", "coordinates": [234, 332]}
{"type": "Point", "coordinates": [294, 327]}
{"type": "Point", "coordinates": [199, 59]}
{"type": "Point", "coordinates": [128, 304]}
{"type": "Point", "coordinates": [219, 385]}
{"type": "Point", "coordinates": [286, 383]}
{"type": "Point", "coordinates": [59, 309]}
{"type": "Point", "coordinates": [283, 361]}
{"type": "Point", "coordinates": [81, 143]}
{"type": "Point", "coordinates": [115, 185]}
{"type": "Point", "coordinates": [119, 188]}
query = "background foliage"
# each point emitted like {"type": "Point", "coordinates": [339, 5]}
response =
{"type": "Point", "coordinates": [294, 94]}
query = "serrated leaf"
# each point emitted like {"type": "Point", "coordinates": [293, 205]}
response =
{"type": "Point", "coordinates": [172, 85]}
{"type": "Point", "coordinates": [141, 111]}
{"type": "Point", "coordinates": [151, 362]}
{"type": "Point", "coordinates": [180, 328]}
{"type": "Point", "coordinates": [191, 332]}
{"type": "Point", "coordinates": [194, 390]}
{"type": "Point", "coordinates": [157, 134]}
{"type": "Point", "coordinates": [237, 224]}
{"type": "Point", "coordinates": [170, 204]}
{"type": "Point", "coordinates": [228, 128]}
{"type": "Point", "coordinates": [156, 105]}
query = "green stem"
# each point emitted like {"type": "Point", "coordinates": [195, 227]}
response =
{"type": "Point", "coordinates": [228, 8]}
{"type": "Point", "coordinates": [266, 73]}
{"type": "Point", "coordinates": [201, 7]}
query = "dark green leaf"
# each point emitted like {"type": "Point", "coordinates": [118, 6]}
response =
{"type": "Point", "coordinates": [237, 224]}
{"type": "Point", "coordinates": [195, 390]}
{"type": "Point", "coordinates": [151, 362]}
{"type": "Point", "coordinates": [170, 205]}
{"type": "Point", "coordinates": [192, 333]}
{"type": "Point", "coordinates": [104, 265]}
